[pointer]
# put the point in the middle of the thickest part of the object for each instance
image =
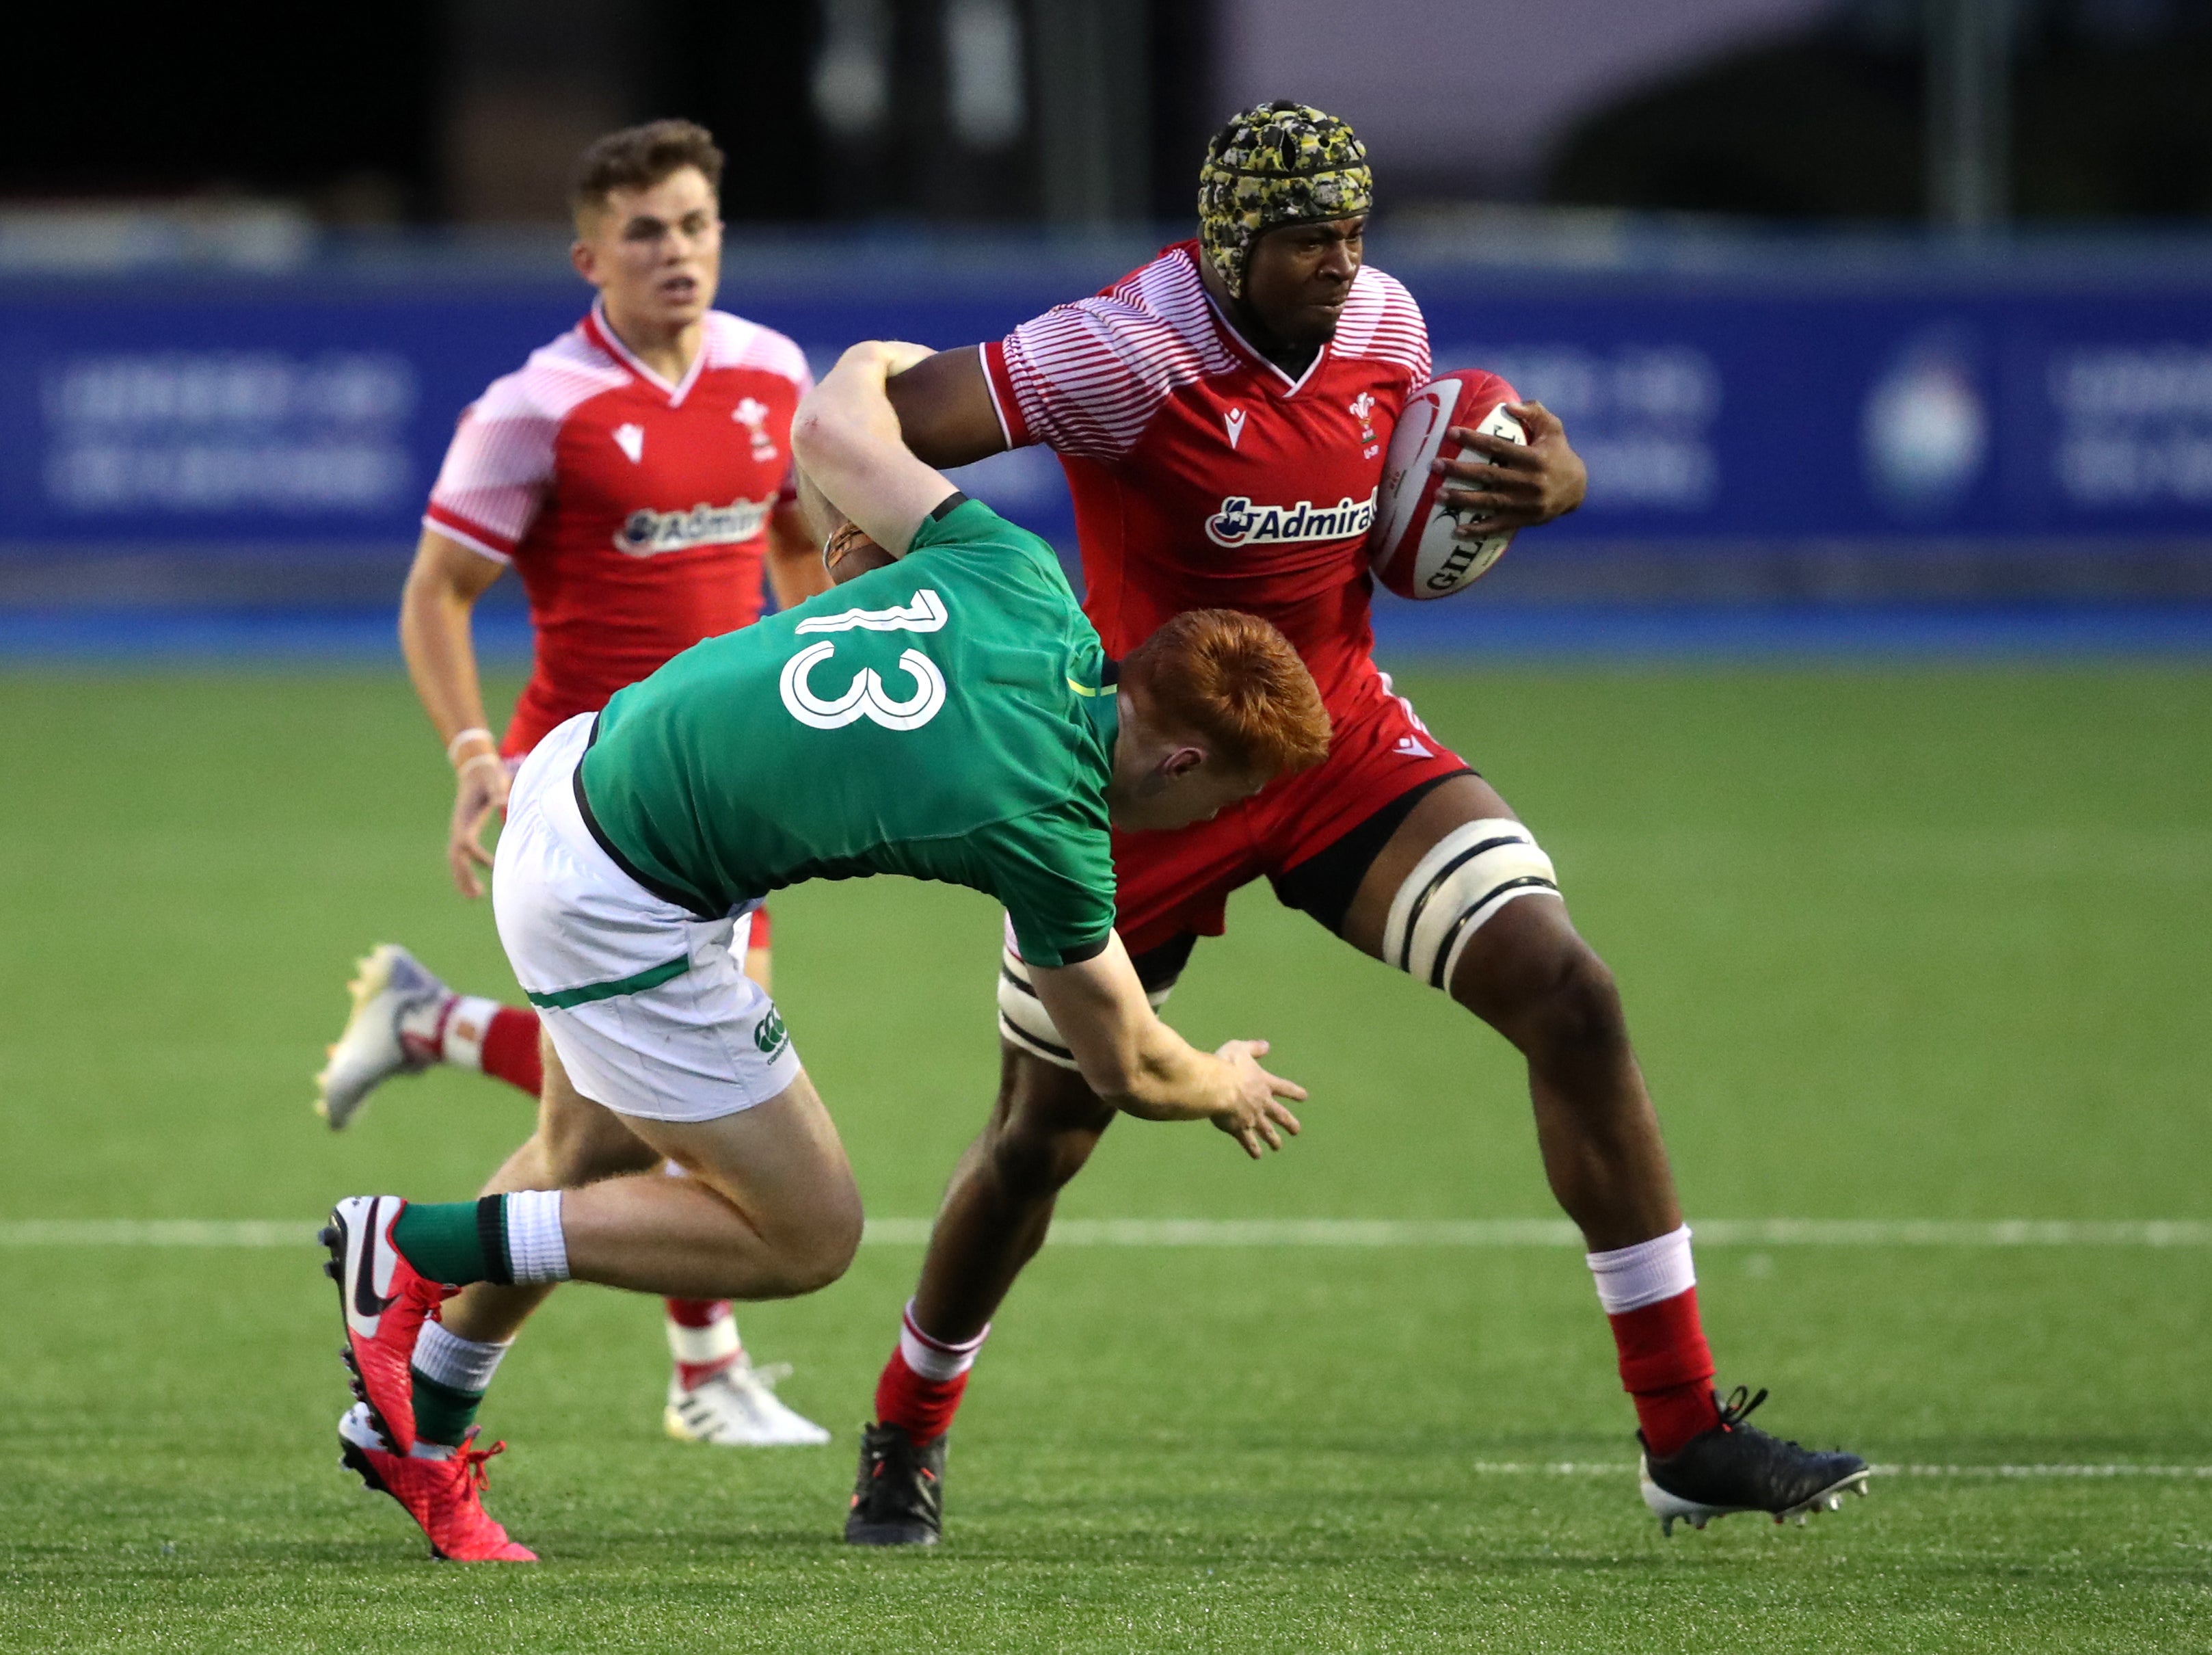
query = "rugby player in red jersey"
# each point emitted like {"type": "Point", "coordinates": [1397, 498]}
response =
{"type": "Point", "coordinates": [636, 473]}
{"type": "Point", "coordinates": [1222, 414]}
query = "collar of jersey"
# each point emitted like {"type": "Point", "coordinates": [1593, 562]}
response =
{"type": "Point", "coordinates": [1102, 706]}
{"type": "Point", "coordinates": [1291, 386]}
{"type": "Point", "coordinates": [602, 334]}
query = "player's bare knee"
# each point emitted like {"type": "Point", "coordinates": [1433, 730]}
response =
{"type": "Point", "coordinates": [823, 1251]}
{"type": "Point", "coordinates": [1046, 1125]}
{"type": "Point", "coordinates": [1546, 989]}
{"type": "Point", "coordinates": [811, 1240]}
{"type": "Point", "coordinates": [1577, 1015]}
{"type": "Point", "coordinates": [1038, 1162]}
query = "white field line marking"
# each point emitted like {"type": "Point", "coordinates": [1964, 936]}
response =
{"type": "Point", "coordinates": [1274, 1232]}
{"type": "Point", "coordinates": [156, 1232]}
{"type": "Point", "coordinates": [1558, 1232]}
{"type": "Point", "coordinates": [1593, 1468]}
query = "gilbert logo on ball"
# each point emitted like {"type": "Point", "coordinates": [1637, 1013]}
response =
{"type": "Point", "coordinates": [1415, 550]}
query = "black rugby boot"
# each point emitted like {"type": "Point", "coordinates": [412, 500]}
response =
{"type": "Point", "coordinates": [899, 1499]}
{"type": "Point", "coordinates": [1736, 1467]}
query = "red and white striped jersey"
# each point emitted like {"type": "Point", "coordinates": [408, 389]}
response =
{"type": "Point", "coordinates": [1203, 475]}
{"type": "Point", "coordinates": [634, 510]}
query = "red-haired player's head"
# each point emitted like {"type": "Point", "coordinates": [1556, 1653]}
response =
{"type": "Point", "coordinates": [649, 226]}
{"type": "Point", "coordinates": [1214, 706]}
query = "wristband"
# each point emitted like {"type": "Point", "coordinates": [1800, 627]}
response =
{"type": "Point", "coordinates": [452, 755]}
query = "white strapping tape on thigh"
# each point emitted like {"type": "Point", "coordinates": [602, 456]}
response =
{"type": "Point", "coordinates": [1468, 875]}
{"type": "Point", "coordinates": [1025, 1023]}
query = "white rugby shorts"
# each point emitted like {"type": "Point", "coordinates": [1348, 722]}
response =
{"type": "Point", "coordinates": [648, 1004]}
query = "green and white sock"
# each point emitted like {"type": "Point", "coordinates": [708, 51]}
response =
{"type": "Point", "coordinates": [498, 1238]}
{"type": "Point", "coordinates": [451, 1375]}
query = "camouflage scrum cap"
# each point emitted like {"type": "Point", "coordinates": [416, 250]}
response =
{"type": "Point", "coordinates": [1276, 163]}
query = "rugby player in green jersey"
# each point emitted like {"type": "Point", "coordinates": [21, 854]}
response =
{"type": "Point", "coordinates": [950, 715]}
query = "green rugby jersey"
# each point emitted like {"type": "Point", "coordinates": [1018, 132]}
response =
{"type": "Point", "coordinates": [944, 718]}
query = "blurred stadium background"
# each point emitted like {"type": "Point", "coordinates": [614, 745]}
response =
{"type": "Point", "coordinates": [1882, 324]}
{"type": "Point", "coordinates": [1865, 706]}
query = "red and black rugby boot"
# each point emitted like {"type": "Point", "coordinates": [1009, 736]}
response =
{"type": "Point", "coordinates": [899, 1496]}
{"type": "Point", "coordinates": [444, 1496]}
{"type": "Point", "coordinates": [386, 1300]}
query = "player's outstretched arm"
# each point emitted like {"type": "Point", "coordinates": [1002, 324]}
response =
{"type": "Point", "coordinates": [944, 409]}
{"type": "Point", "coordinates": [434, 610]}
{"type": "Point", "coordinates": [1143, 1067]}
{"type": "Point", "coordinates": [846, 438]}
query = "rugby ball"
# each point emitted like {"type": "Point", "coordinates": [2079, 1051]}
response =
{"type": "Point", "coordinates": [1414, 549]}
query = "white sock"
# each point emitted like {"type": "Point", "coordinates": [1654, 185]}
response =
{"type": "Point", "coordinates": [465, 1027]}
{"type": "Point", "coordinates": [464, 1364]}
{"type": "Point", "coordinates": [1630, 1278]}
{"type": "Point", "coordinates": [536, 1248]}
{"type": "Point", "coordinates": [933, 1358]}
{"type": "Point", "coordinates": [717, 1341]}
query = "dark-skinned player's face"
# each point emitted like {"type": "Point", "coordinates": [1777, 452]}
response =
{"type": "Point", "coordinates": [1298, 277]}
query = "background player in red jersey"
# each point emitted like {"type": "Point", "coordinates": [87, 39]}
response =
{"type": "Point", "coordinates": [636, 474]}
{"type": "Point", "coordinates": [1222, 414]}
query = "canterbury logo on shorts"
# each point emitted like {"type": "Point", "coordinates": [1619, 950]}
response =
{"type": "Point", "coordinates": [769, 1033]}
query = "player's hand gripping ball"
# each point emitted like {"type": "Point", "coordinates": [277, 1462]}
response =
{"type": "Point", "coordinates": [850, 553]}
{"type": "Point", "coordinates": [1419, 547]}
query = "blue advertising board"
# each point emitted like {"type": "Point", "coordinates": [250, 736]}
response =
{"type": "Point", "coordinates": [1743, 416]}
{"type": "Point", "coordinates": [311, 412]}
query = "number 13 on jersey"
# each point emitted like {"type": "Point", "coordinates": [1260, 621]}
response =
{"type": "Point", "coordinates": [866, 697]}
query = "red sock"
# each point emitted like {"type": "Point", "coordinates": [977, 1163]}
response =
{"type": "Point", "coordinates": [1666, 1366]}
{"type": "Point", "coordinates": [922, 1383]}
{"type": "Point", "coordinates": [924, 1407]}
{"type": "Point", "coordinates": [703, 1336]}
{"type": "Point", "coordinates": [510, 1049]}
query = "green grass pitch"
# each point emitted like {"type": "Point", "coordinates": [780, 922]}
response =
{"type": "Point", "coordinates": [1896, 944]}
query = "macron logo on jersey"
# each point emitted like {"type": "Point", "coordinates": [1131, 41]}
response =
{"type": "Point", "coordinates": [1233, 419]}
{"type": "Point", "coordinates": [631, 439]}
{"type": "Point", "coordinates": [649, 533]}
{"type": "Point", "coordinates": [1241, 523]}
